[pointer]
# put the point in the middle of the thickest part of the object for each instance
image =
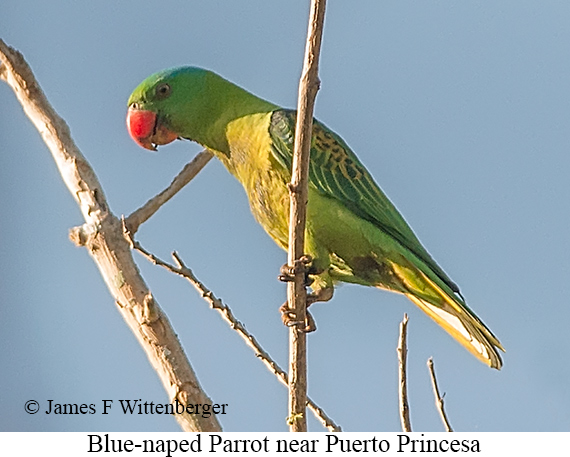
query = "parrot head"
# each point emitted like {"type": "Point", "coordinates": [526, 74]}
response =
{"type": "Point", "coordinates": [188, 103]}
{"type": "Point", "coordinates": [162, 108]}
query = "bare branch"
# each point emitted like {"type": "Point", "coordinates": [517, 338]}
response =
{"type": "Point", "coordinates": [190, 170]}
{"type": "Point", "coordinates": [402, 386]}
{"type": "Point", "coordinates": [438, 397]}
{"type": "Point", "coordinates": [297, 296]}
{"type": "Point", "coordinates": [102, 235]}
{"type": "Point", "coordinates": [215, 303]}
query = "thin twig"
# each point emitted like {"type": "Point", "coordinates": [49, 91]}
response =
{"type": "Point", "coordinates": [215, 303]}
{"type": "Point", "coordinates": [102, 235]}
{"type": "Point", "coordinates": [402, 386]}
{"type": "Point", "coordinates": [438, 397]}
{"type": "Point", "coordinates": [296, 292]}
{"type": "Point", "coordinates": [190, 170]}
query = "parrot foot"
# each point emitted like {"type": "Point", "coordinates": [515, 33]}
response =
{"type": "Point", "coordinates": [290, 319]}
{"type": "Point", "coordinates": [304, 265]}
{"type": "Point", "coordinates": [324, 294]}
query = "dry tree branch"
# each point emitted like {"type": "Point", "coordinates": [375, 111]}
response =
{"type": "Point", "coordinates": [438, 397]}
{"type": "Point", "coordinates": [296, 292]}
{"type": "Point", "coordinates": [190, 170]}
{"type": "Point", "coordinates": [402, 385]}
{"type": "Point", "coordinates": [102, 235]}
{"type": "Point", "coordinates": [215, 303]}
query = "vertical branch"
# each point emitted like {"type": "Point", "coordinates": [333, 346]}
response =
{"type": "Point", "coordinates": [296, 293]}
{"type": "Point", "coordinates": [402, 385]}
{"type": "Point", "coordinates": [438, 397]}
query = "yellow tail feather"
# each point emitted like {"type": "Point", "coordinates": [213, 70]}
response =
{"type": "Point", "coordinates": [460, 323]}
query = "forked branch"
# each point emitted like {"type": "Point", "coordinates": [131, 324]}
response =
{"type": "Point", "coordinates": [188, 173]}
{"type": "Point", "coordinates": [215, 303]}
{"type": "Point", "coordinates": [102, 235]}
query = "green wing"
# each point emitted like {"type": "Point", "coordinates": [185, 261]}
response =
{"type": "Point", "coordinates": [336, 172]}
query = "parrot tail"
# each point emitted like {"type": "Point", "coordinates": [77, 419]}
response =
{"type": "Point", "coordinates": [450, 312]}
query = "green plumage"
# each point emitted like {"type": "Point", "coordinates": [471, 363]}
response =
{"type": "Point", "coordinates": [354, 233]}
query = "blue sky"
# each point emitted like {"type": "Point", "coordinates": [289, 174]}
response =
{"type": "Point", "coordinates": [460, 110]}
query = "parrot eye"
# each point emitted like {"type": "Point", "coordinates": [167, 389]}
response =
{"type": "Point", "coordinates": [162, 91]}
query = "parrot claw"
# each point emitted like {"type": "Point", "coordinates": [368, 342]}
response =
{"type": "Point", "coordinates": [289, 319]}
{"type": "Point", "coordinates": [304, 264]}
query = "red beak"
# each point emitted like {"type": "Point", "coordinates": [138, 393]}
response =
{"type": "Point", "coordinates": [147, 131]}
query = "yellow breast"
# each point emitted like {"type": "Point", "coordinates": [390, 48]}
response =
{"type": "Point", "coordinates": [263, 179]}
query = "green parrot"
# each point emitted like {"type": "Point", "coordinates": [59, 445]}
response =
{"type": "Point", "coordinates": [354, 234]}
